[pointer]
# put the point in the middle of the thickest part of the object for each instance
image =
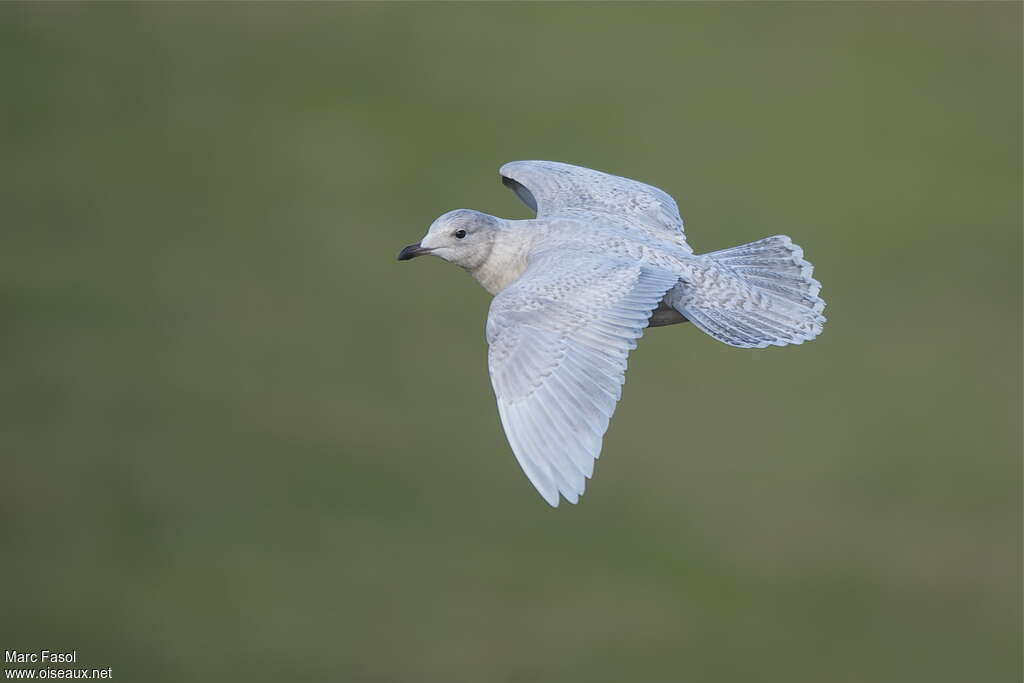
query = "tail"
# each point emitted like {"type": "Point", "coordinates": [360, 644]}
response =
{"type": "Point", "coordinates": [755, 295]}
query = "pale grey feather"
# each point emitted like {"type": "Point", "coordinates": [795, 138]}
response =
{"type": "Point", "coordinates": [559, 337]}
{"type": "Point", "coordinates": [557, 190]}
{"type": "Point", "coordinates": [754, 295]}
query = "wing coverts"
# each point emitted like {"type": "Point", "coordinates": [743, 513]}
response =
{"type": "Point", "coordinates": [553, 190]}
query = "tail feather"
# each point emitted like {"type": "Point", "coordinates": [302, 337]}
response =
{"type": "Point", "coordinates": [755, 295]}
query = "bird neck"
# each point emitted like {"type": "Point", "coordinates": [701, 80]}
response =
{"type": "Point", "coordinates": [507, 258]}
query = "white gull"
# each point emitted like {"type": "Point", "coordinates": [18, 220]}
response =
{"type": "Point", "coordinates": [574, 288]}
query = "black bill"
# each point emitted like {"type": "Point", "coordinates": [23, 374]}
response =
{"type": "Point", "coordinates": [412, 251]}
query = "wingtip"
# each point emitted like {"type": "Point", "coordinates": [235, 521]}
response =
{"type": "Point", "coordinates": [571, 497]}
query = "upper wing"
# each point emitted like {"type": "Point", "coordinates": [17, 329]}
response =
{"type": "Point", "coordinates": [559, 337]}
{"type": "Point", "coordinates": [554, 189]}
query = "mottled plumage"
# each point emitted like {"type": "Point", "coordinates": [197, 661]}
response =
{"type": "Point", "coordinates": [575, 288]}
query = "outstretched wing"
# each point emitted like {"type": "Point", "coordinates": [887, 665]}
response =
{"type": "Point", "coordinates": [559, 337]}
{"type": "Point", "coordinates": [553, 189]}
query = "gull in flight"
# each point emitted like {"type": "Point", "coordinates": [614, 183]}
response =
{"type": "Point", "coordinates": [575, 287]}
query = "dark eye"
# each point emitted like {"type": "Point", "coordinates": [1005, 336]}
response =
{"type": "Point", "coordinates": [459, 234]}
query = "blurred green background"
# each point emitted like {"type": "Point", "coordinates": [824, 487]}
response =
{"type": "Point", "coordinates": [241, 442]}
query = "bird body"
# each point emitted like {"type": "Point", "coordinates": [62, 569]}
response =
{"type": "Point", "coordinates": [574, 288]}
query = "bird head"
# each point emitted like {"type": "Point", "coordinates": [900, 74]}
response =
{"type": "Point", "coordinates": [463, 237]}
